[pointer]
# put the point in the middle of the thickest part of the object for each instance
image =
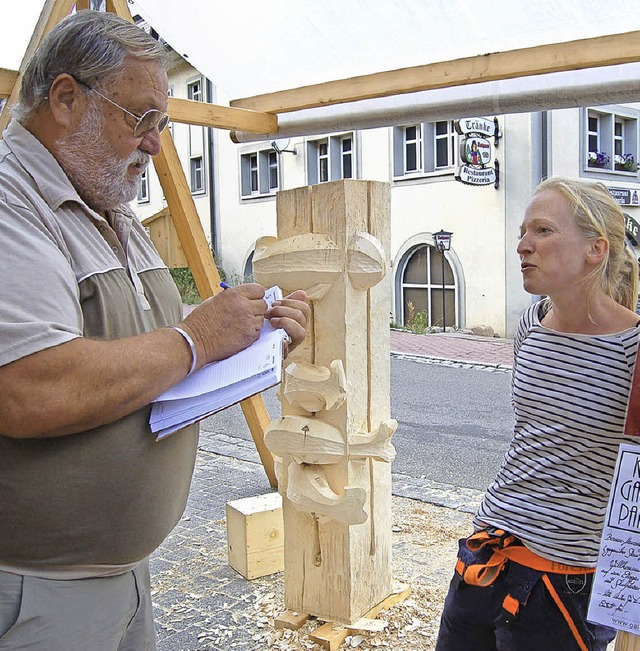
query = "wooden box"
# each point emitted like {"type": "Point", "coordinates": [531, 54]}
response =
{"type": "Point", "coordinates": [255, 535]}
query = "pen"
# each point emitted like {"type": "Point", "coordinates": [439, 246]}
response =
{"type": "Point", "coordinates": [224, 285]}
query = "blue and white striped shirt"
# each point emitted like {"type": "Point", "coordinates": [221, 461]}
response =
{"type": "Point", "coordinates": [570, 394]}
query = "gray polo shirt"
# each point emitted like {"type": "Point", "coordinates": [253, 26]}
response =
{"type": "Point", "coordinates": [97, 502]}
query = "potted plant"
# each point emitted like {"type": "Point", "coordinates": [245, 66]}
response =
{"type": "Point", "coordinates": [625, 163]}
{"type": "Point", "coordinates": [598, 159]}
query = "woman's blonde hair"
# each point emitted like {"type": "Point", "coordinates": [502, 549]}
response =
{"type": "Point", "coordinates": [597, 215]}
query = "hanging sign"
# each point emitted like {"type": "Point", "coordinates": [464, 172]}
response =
{"type": "Point", "coordinates": [475, 151]}
{"type": "Point", "coordinates": [476, 175]}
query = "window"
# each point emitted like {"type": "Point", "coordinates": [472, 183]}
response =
{"type": "Point", "coordinates": [611, 141]}
{"type": "Point", "coordinates": [170, 94]}
{"type": "Point", "coordinates": [347, 157]}
{"type": "Point", "coordinates": [197, 174]}
{"type": "Point", "coordinates": [421, 287]}
{"type": "Point", "coordinates": [412, 148]}
{"type": "Point", "coordinates": [424, 148]}
{"type": "Point", "coordinates": [143, 190]}
{"type": "Point", "coordinates": [197, 151]}
{"type": "Point", "coordinates": [331, 159]}
{"type": "Point", "coordinates": [445, 141]}
{"type": "Point", "coordinates": [323, 161]}
{"type": "Point", "coordinates": [259, 173]}
{"type": "Point", "coordinates": [273, 170]}
{"type": "Point", "coordinates": [194, 90]}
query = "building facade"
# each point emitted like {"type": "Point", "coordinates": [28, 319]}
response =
{"type": "Point", "coordinates": [234, 189]}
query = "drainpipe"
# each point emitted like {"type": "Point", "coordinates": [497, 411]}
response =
{"type": "Point", "coordinates": [213, 188]}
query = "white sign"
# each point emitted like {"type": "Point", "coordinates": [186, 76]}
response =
{"type": "Point", "coordinates": [476, 175]}
{"type": "Point", "coordinates": [615, 596]}
{"type": "Point", "coordinates": [479, 126]}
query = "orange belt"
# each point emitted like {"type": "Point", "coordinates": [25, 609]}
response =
{"type": "Point", "coordinates": [507, 547]}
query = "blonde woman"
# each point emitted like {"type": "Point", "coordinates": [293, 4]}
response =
{"type": "Point", "coordinates": [523, 578]}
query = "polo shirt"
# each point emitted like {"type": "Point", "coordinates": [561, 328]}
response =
{"type": "Point", "coordinates": [97, 502]}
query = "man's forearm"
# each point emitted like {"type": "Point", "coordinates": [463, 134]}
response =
{"type": "Point", "coordinates": [86, 383]}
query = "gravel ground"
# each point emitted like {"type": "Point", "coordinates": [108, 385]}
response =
{"type": "Point", "coordinates": [424, 547]}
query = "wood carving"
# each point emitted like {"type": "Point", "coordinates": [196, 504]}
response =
{"type": "Point", "coordinates": [314, 388]}
{"type": "Point", "coordinates": [311, 441]}
{"type": "Point", "coordinates": [332, 446]}
{"type": "Point", "coordinates": [309, 491]}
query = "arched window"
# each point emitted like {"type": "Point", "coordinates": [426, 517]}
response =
{"type": "Point", "coordinates": [421, 287]}
{"type": "Point", "coordinates": [248, 269]}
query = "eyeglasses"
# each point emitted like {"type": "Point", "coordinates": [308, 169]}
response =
{"type": "Point", "coordinates": [146, 122]}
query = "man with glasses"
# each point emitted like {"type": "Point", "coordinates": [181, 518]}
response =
{"type": "Point", "coordinates": [92, 331]}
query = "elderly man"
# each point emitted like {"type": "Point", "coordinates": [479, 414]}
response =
{"type": "Point", "coordinates": [88, 316]}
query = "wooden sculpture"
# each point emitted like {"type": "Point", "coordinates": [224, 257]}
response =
{"type": "Point", "coordinates": [332, 445]}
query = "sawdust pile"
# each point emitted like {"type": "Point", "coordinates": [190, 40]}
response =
{"type": "Point", "coordinates": [424, 546]}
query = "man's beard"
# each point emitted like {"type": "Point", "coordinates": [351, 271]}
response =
{"type": "Point", "coordinates": [97, 173]}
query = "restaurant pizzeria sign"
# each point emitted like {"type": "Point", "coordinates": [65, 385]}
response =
{"type": "Point", "coordinates": [475, 151]}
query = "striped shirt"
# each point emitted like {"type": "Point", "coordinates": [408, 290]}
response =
{"type": "Point", "coordinates": [570, 394]}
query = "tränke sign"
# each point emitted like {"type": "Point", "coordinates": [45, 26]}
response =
{"type": "Point", "coordinates": [475, 151]}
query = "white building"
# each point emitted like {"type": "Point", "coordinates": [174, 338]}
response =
{"type": "Point", "coordinates": [234, 188]}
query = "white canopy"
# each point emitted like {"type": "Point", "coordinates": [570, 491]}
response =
{"type": "Point", "coordinates": [250, 47]}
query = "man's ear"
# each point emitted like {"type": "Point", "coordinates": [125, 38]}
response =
{"type": "Point", "coordinates": [66, 100]}
{"type": "Point", "coordinates": [598, 250]}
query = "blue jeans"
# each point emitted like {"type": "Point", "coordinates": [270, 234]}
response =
{"type": "Point", "coordinates": [474, 619]}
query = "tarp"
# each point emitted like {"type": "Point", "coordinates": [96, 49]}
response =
{"type": "Point", "coordinates": [250, 46]}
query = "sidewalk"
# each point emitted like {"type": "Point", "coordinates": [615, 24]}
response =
{"type": "Point", "coordinates": [451, 346]}
{"type": "Point", "coordinates": [201, 604]}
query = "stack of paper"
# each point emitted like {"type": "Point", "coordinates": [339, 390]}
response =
{"type": "Point", "coordinates": [221, 384]}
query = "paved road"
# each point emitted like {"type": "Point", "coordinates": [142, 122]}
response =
{"type": "Point", "coordinates": [454, 419]}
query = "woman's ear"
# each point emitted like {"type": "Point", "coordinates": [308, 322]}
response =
{"type": "Point", "coordinates": [66, 100]}
{"type": "Point", "coordinates": [598, 250]}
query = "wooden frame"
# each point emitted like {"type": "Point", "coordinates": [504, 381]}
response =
{"type": "Point", "coordinates": [580, 54]}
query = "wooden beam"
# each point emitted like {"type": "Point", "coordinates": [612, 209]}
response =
{"type": "Point", "coordinates": [52, 13]}
{"type": "Point", "coordinates": [607, 50]}
{"type": "Point", "coordinates": [82, 4]}
{"type": "Point", "coordinates": [196, 248]}
{"type": "Point", "coordinates": [119, 7]}
{"type": "Point", "coordinates": [627, 642]}
{"type": "Point", "coordinates": [8, 79]}
{"type": "Point", "coordinates": [203, 114]}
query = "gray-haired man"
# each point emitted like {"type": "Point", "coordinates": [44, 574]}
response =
{"type": "Point", "coordinates": [86, 309]}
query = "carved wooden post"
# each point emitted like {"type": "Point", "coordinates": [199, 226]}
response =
{"type": "Point", "coordinates": [332, 445]}
{"type": "Point", "coordinates": [627, 642]}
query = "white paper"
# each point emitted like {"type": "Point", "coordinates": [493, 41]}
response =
{"type": "Point", "coordinates": [221, 384]}
{"type": "Point", "coordinates": [615, 596]}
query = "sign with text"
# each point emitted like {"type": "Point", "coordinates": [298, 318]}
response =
{"type": "Point", "coordinates": [615, 597]}
{"type": "Point", "coordinates": [624, 196]}
{"type": "Point", "coordinates": [479, 126]}
{"type": "Point", "coordinates": [476, 175]}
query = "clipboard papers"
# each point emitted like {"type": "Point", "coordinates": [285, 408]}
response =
{"type": "Point", "coordinates": [221, 384]}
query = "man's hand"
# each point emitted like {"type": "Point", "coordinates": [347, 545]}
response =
{"type": "Point", "coordinates": [292, 314]}
{"type": "Point", "coordinates": [227, 322]}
